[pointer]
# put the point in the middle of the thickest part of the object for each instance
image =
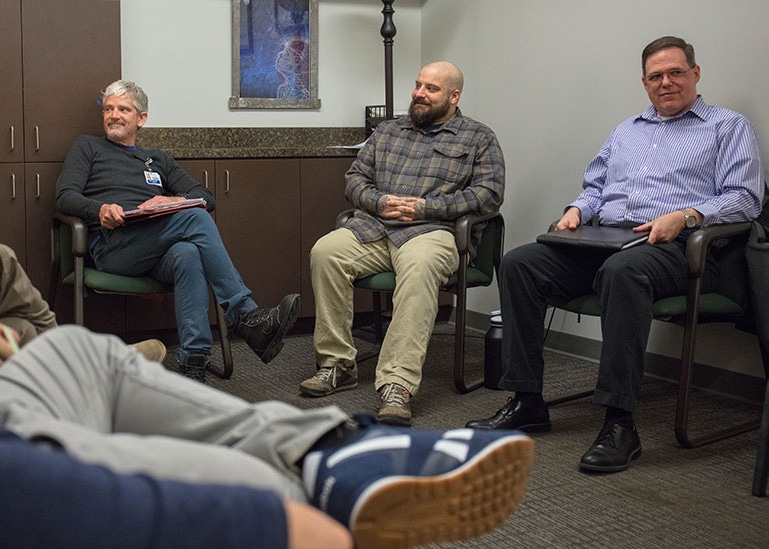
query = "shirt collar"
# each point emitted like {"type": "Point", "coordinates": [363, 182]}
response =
{"type": "Point", "coordinates": [126, 147]}
{"type": "Point", "coordinates": [699, 109]}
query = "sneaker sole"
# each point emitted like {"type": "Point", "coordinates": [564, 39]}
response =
{"type": "Point", "coordinates": [397, 421]}
{"type": "Point", "coordinates": [474, 499]}
{"type": "Point", "coordinates": [321, 393]}
{"type": "Point", "coordinates": [276, 345]}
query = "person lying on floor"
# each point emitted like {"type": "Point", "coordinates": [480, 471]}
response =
{"type": "Point", "coordinates": [101, 447]}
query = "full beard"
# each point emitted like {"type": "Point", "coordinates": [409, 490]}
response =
{"type": "Point", "coordinates": [428, 116]}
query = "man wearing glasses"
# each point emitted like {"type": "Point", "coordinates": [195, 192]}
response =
{"type": "Point", "coordinates": [678, 165]}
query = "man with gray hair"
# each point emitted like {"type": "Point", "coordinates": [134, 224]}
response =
{"type": "Point", "coordinates": [103, 178]}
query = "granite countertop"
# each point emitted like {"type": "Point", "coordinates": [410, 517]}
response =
{"type": "Point", "coordinates": [184, 143]}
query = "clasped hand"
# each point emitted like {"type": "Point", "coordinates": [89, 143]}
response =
{"type": "Point", "coordinates": [402, 208]}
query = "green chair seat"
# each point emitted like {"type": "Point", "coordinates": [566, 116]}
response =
{"type": "Point", "coordinates": [108, 283]}
{"type": "Point", "coordinates": [727, 303]}
{"type": "Point", "coordinates": [385, 282]}
{"type": "Point", "coordinates": [69, 237]}
{"type": "Point", "coordinates": [711, 305]}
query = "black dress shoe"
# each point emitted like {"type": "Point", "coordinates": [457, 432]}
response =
{"type": "Point", "coordinates": [516, 415]}
{"type": "Point", "coordinates": [613, 450]}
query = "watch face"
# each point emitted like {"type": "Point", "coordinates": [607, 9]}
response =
{"type": "Point", "coordinates": [690, 221]}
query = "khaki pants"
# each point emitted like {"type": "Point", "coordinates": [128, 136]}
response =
{"type": "Point", "coordinates": [422, 265]}
{"type": "Point", "coordinates": [21, 305]}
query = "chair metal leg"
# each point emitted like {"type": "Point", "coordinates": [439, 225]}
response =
{"type": "Point", "coordinates": [376, 299]}
{"type": "Point", "coordinates": [571, 396]}
{"type": "Point", "coordinates": [761, 473]}
{"type": "Point", "coordinates": [459, 334]}
{"type": "Point", "coordinates": [226, 371]}
{"type": "Point", "coordinates": [79, 291]}
{"type": "Point", "coordinates": [685, 383]}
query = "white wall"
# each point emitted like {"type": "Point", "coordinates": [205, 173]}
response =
{"type": "Point", "coordinates": [553, 77]}
{"type": "Point", "coordinates": [179, 51]}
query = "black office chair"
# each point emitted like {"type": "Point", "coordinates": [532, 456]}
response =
{"type": "Point", "coordinates": [757, 255]}
{"type": "Point", "coordinates": [480, 273]}
{"type": "Point", "coordinates": [69, 237]}
{"type": "Point", "coordinates": [727, 303]}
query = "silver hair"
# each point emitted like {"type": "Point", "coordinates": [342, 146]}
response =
{"type": "Point", "coordinates": [125, 87]}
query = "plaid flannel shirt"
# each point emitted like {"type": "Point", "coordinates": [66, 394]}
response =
{"type": "Point", "coordinates": [458, 168]}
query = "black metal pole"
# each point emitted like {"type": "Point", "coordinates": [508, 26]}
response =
{"type": "Point", "coordinates": [388, 31]}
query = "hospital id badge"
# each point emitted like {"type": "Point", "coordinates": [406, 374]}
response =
{"type": "Point", "coordinates": [153, 178]}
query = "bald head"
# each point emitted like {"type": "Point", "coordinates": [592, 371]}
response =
{"type": "Point", "coordinates": [449, 73]}
{"type": "Point", "coordinates": [436, 93]}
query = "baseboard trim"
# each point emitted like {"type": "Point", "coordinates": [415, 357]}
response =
{"type": "Point", "coordinates": [705, 377]}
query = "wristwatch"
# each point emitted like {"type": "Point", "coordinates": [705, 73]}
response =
{"type": "Point", "coordinates": [690, 220]}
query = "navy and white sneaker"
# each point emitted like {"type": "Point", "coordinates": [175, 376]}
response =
{"type": "Point", "coordinates": [396, 488]}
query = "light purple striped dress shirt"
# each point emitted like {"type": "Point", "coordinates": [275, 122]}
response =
{"type": "Point", "coordinates": [706, 159]}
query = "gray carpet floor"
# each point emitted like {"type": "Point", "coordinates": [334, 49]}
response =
{"type": "Point", "coordinates": [670, 497]}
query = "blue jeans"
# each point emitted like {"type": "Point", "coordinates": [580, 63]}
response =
{"type": "Point", "coordinates": [185, 250]}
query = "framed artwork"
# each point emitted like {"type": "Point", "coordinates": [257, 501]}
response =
{"type": "Point", "coordinates": [274, 54]}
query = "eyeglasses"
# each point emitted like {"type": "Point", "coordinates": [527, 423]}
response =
{"type": "Point", "coordinates": [675, 74]}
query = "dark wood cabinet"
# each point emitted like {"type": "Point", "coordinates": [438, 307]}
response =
{"type": "Point", "coordinates": [13, 216]}
{"type": "Point", "coordinates": [258, 215]}
{"type": "Point", "coordinates": [40, 205]}
{"type": "Point", "coordinates": [71, 51]}
{"type": "Point", "coordinates": [269, 213]}
{"type": "Point", "coordinates": [11, 83]}
{"type": "Point", "coordinates": [55, 57]}
{"type": "Point", "coordinates": [203, 171]}
{"type": "Point", "coordinates": [322, 200]}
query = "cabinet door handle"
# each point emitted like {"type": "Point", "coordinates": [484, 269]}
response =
{"type": "Point", "coordinates": [37, 185]}
{"type": "Point", "coordinates": [226, 181]}
{"type": "Point", "coordinates": [205, 178]}
{"type": "Point", "coordinates": [13, 139]}
{"type": "Point", "coordinates": [13, 186]}
{"type": "Point", "coordinates": [37, 138]}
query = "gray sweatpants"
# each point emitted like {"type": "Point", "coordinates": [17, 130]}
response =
{"type": "Point", "coordinates": [105, 404]}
